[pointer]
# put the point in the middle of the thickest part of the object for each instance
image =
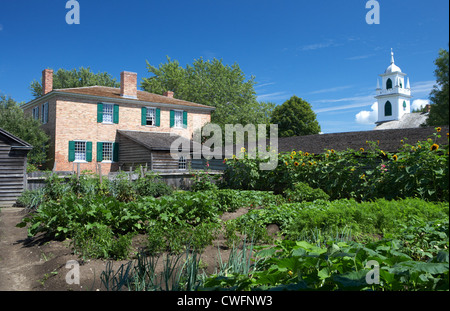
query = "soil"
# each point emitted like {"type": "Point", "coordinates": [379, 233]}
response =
{"type": "Point", "coordinates": [39, 264]}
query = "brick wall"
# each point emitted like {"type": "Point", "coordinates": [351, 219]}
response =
{"type": "Point", "coordinates": [77, 120]}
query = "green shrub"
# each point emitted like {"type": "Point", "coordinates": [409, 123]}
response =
{"type": "Point", "coordinates": [203, 181]}
{"type": "Point", "coordinates": [301, 192]}
{"type": "Point", "coordinates": [31, 199]}
{"type": "Point", "coordinates": [98, 241]}
{"type": "Point", "coordinates": [151, 185]}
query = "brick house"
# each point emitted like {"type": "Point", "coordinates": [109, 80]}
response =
{"type": "Point", "coordinates": [85, 124]}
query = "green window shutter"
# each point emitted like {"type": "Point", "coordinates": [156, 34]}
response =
{"type": "Point", "coordinates": [143, 116]}
{"type": "Point", "coordinates": [172, 118]}
{"type": "Point", "coordinates": [99, 152]}
{"type": "Point", "coordinates": [116, 114]}
{"type": "Point", "coordinates": [89, 151]}
{"type": "Point", "coordinates": [158, 117]}
{"type": "Point", "coordinates": [99, 113]}
{"type": "Point", "coordinates": [115, 152]}
{"type": "Point", "coordinates": [185, 116]}
{"type": "Point", "coordinates": [71, 151]}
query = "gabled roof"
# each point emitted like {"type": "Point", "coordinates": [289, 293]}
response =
{"type": "Point", "coordinates": [104, 93]}
{"type": "Point", "coordinates": [111, 92]}
{"type": "Point", "coordinates": [14, 141]}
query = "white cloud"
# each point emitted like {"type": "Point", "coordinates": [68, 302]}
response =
{"type": "Point", "coordinates": [368, 117]}
{"type": "Point", "coordinates": [360, 57]}
{"type": "Point", "coordinates": [316, 46]}
{"type": "Point", "coordinates": [423, 88]}
{"type": "Point", "coordinates": [419, 104]}
{"type": "Point", "coordinates": [333, 89]}
{"type": "Point", "coordinates": [272, 96]}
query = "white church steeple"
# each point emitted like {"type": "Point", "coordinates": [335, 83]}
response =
{"type": "Point", "coordinates": [393, 96]}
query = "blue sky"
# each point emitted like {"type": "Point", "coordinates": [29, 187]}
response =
{"type": "Point", "coordinates": [322, 51]}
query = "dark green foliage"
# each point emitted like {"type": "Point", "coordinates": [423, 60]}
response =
{"type": "Point", "coordinates": [295, 117]}
{"type": "Point", "coordinates": [301, 192]}
{"type": "Point", "coordinates": [13, 120]}
{"type": "Point", "coordinates": [440, 94]}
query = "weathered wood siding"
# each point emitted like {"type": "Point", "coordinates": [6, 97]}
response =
{"type": "Point", "coordinates": [132, 154]}
{"type": "Point", "coordinates": [12, 174]}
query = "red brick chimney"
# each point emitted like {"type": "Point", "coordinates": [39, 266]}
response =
{"type": "Point", "coordinates": [168, 94]}
{"type": "Point", "coordinates": [47, 81]}
{"type": "Point", "coordinates": [128, 84]}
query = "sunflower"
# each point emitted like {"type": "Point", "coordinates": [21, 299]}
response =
{"type": "Point", "coordinates": [303, 164]}
{"type": "Point", "coordinates": [434, 147]}
{"type": "Point", "coordinates": [306, 154]}
{"type": "Point", "coordinates": [395, 157]}
{"type": "Point", "coordinates": [361, 149]}
{"type": "Point", "coordinates": [447, 135]}
{"type": "Point", "coordinates": [332, 150]}
{"type": "Point", "coordinates": [242, 149]}
{"type": "Point", "coordinates": [292, 157]}
{"type": "Point", "coordinates": [286, 163]}
{"type": "Point", "coordinates": [293, 152]}
{"type": "Point", "coordinates": [296, 163]}
{"type": "Point", "coordinates": [438, 129]}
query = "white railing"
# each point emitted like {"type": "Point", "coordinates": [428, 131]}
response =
{"type": "Point", "coordinates": [395, 90]}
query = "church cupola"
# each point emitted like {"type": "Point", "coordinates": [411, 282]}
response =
{"type": "Point", "coordinates": [394, 95]}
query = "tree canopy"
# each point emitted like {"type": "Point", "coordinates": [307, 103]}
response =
{"type": "Point", "coordinates": [13, 120]}
{"type": "Point", "coordinates": [295, 117]}
{"type": "Point", "coordinates": [214, 84]}
{"type": "Point", "coordinates": [64, 79]}
{"type": "Point", "coordinates": [439, 96]}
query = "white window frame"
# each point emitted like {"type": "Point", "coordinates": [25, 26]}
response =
{"type": "Point", "coordinates": [182, 163]}
{"type": "Point", "coordinates": [150, 110]}
{"type": "Point", "coordinates": [178, 123]}
{"type": "Point", "coordinates": [108, 111]}
{"type": "Point", "coordinates": [79, 159]}
{"type": "Point", "coordinates": [111, 152]}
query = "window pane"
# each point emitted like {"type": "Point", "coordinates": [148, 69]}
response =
{"type": "Point", "coordinates": [151, 116]}
{"type": "Point", "coordinates": [178, 118]}
{"type": "Point", "coordinates": [107, 151]}
{"type": "Point", "coordinates": [107, 113]}
{"type": "Point", "coordinates": [80, 151]}
{"type": "Point", "coordinates": [182, 163]}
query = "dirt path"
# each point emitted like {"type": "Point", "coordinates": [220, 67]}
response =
{"type": "Point", "coordinates": [16, 260]}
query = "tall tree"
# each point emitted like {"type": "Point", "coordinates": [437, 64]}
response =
{"type": "Point", "coordinates": [439, 96]}
{"type": "Point", "coordinates": [210, 83]}
{"type": "Point", "coordinates": [295, 117]}
{"type": "Point", "coordinates": [13, 120]}
{"type": "Point", "coordinates": [64, 79]}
